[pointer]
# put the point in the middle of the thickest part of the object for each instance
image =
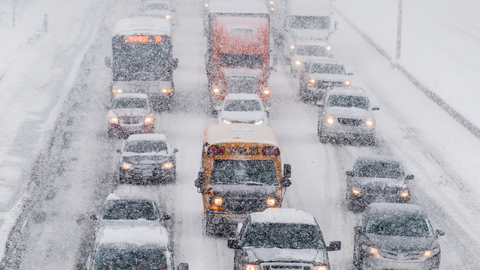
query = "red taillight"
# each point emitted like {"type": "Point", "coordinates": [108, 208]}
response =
{"type": "Point", "coordinates": [216, 150]}
{"type": "Point", "coordinates": [270, 151]}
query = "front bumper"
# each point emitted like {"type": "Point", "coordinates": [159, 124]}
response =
{"type": "Point", "coordinates": [379, 264]}
{"type": "Point", "coordinates": [130, 129]}
{"type": "Point", "coordinates": [348, 132]}
{"type": "Point", "coordinates": [146, 172]}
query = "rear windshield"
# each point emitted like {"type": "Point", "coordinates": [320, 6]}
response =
{"type": "Point", "coordinates": [145, 146]}
{"type": "Point", "coordinates": [399, 225]}
{"type": "Point", "coordinates": [237, 105]}
{"type": "Point", "coordinates": [379, 170]}
{"type": "Point", "coordinates": [348, 101]}
{"type": "Point", "coordinates": [145, 259]}
{"type": "Point", "coordinates": [130, 103]}
{"type": "Point", "coordinates": [244, 172]}
{"type": "Point", "coordinates": [284, 236]}
{"type": "Point", "coordinates": [129, 210]}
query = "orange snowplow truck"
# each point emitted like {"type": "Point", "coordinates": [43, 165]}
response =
{"type": "Point", "coordinates": [238, 55]}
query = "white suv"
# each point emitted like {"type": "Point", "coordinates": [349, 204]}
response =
{"type": "Point", "coordinates": [346, 113]}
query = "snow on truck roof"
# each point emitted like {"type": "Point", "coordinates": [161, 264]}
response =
{"type": "Point", "coordinates": [283, 215]}
{"type": "Point", "coordinates": [240, 133]}
{"type": "Point", "coordinates": [142, 25]}
{"type": "Point", "coordinates": [134, 235]}
{"type": "Point", "coordinates": [238, 7]}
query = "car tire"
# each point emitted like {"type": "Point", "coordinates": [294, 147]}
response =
{"type": "Point", "coordinates": [357, 262]}
{"type": "Point", "coordinates": [321, 135]}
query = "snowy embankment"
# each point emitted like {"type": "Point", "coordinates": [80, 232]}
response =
{"type": "Point", "coordinates": [39, 62]}
{"type": "Point", "coordinates": [440, 44]}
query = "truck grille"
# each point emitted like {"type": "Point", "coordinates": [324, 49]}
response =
{"type": "Point", "coordinates": [401, 256]}
{"type": "Point", "coordinates": [244, 205]}
{"type": "Point", "coordinates": [349, 121]}
{"type": "Point", "coordinates": [130, 121]}
{"type": "Point", "coordinates": [328, 84]}
{"type": "Point", "coordinates": [286, 266]}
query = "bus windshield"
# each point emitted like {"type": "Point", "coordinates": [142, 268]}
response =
{"type": "Point", "coordinates": [244, 172]}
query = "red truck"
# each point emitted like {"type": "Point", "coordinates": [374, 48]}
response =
{"type": "Point", "coordinates": [238, 55]}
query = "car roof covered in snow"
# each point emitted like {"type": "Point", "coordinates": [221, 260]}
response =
{"type": "Point", "coordinates": [353, 91]}
{"type": "Point", "coordinates": [309, 7]}
{"type": "Point", "coordinates": [141, 235]}
{"type": "Point", "coordinates": [377, 158]}
{"type": "Point", "coordinates": [395, 209]}
{"type": "Point", "coordinates": [128, 196]}
{"type": "Point", "coordinates": [283, 215]}
{"type": "Point", "coordinates": [326, 60]}
{"type": "Point", "coordinates": [238, 7]}
{"type": "Point", "coordinates": [142, 25]}
{"type": "Point", "coordinates": [243, 96]}
{"type": "Point", "coordinates": [147, 137]}
{"type": "Point", "coordinates": [233, 133]}
{"type": "Point", "coordinates": [131, 95]}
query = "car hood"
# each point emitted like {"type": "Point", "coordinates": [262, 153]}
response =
{"type": "Point", "coordinates": [130, 113]}
{"type": "Point", "coordinates": [241, 190]}
{"type": "Point", "coordinates": [329, 77]}
{"type": "Point", "coordinates": [243, 116]}
{"type": "Point", "coordinates": [380, 183]}
{"type": "Point", "coordinates": [312, 34]}
{"type": "Point", "coordinates": [401, 243]}
{"type": "Point", "coordinates": [348, 112]}
{"type": "Point", "coordinates": [286, 255]}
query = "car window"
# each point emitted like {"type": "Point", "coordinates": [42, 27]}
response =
{"type": "Point", "coordinates": [244, 171]}
{"type": "Point", "coordinates": [327, 69]}
{"type": "Point", "coordinates": [399, 225]}
{"type": "Point", "coordinates": [236, 105]}
{"type": "Point", "coordinates": [348, 101]}
{"type": "Point", "coordinates": [310, 50]}
{"type": "Point", "coordinates": [284, 236]}
{"type": "Point", "coordinates": [132, 259]}
{"type": "Point", "coordinates": [156, 6]}
{"type": "Point", "coordinates": [129, 210]}
{"type": "Point", "coordinates": [130, 103]}
{"type": "Point", "coordinates": [145, 146]}
{"type": "Point", "coordinates": [379, 170]}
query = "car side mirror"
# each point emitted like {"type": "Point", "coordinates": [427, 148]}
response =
{"type": "Point", "coordinates": [201, 179]}
{"type": "Point", "coordinates": [119, 151]}
{"type": "Point", "coordinates": [182, 266]}
{"type": "Point", "coordinates": [334, 246]}
{"type": "Point", "coordinates": [285, 182]}
{"type": "Point", "coordinates": [358, 229]}
{"type": "Point", "coordinates": [376, 108]}
{"type": "Point", "coordinates": [233, 244]}
{"type": "Point", "coordinates": [175, 150]}
{"type": "Point", "coordinates": [349, 173]}
{"type": "Point", "coordinates": [166, 217]}
{"type": "Point", "coordinates": [108, 108]}
{"type": "Point", "coordinates": [287, 171]}
{"type": "Point", "coordinates": [175, 63]}
{"type": "Point", "coordinates": [410, 177]}
{"type": "Point", "coordinates": [108, 62]}
{"type": "Point", "coordinates": [351, 73]}
{"type": "Point", "coordinates": [440, 233]}
{"type": "Point", "coordinates": [93, 217]}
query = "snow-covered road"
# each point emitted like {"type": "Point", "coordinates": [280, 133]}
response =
{"type": "Point", "coordinates": [79, 169]}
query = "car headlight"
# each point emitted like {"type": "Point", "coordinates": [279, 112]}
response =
{"type": "Point", "coordinates": [370, 122]}
{"type": "Point", "coordinates": [348, 83]}
{"type": "Point", "coordinates": [371, 250]}
{"type": "Point", "coordinates": [356, 191]}
{"type": "Point", "coordinates": [259, 122]}
{"type": "Point", "coordinates": [226, 121]}
{"type": "Point", "coordinates": [429, 253]}
{"type": "Point", "coordinates": [148, 120]}
{"type": "Point", "coordinates": [127, 166]}
{"type": "Point", "coordinates": [292, 47]}
{"type": "Point", "coordinates": [166, 90]}
{"type": "Point", "coordinates": [252, 267]}
{"type": "Point", "coordinates": [404, 193]}
{"type": "Point", "coordinates": [113, 120]}
{"type": "Point", "coordinates": [117, 91]}
{"type": "Point", "coordinates": [206, 4]}
{"type": "Point", "coordinates": [311, 80]}
{"type": "Point", "coordinates": [168, 17]}
{"type": "Point", "coordinates": [216, 90]}
{"type": "Point", "coordinates": [271, 202]}
{"type": "Point", "coordinates": [329, 120]}
{"type": "Point", "coordinates": [167, 165]}
{"type": "Point", "coordinates": [329, 48]}
{"type": "Point", "coordinates": [271, 2]}
{"type": "Point", "coordinates": [266, 91]}
{"type": "Point", "coordinates": [298, 63]}
{"type": "Point", "coordinates": [217, 203]}
{"type": "Point", "coordinates": [320, 267]}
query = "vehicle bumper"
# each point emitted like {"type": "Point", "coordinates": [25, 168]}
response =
{"type": "Point", "coordinates": [130, 129]}
{"type": "Point", "coordinates": [347, 132]}
{"type": "Point", "coordinates": [147, 172]}
{"type": "Point", "coordinates": [380, 264]}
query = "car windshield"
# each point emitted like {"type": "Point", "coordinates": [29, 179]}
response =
{"type": "Point", "coordinates": [156, 6]}
{"type": "Point", "coordinates": [145, 146]}
{"type": "Point", "coordinates": [348, 101]}
{"type": "Point", "coordinates": [379, 169]}
{"type": "Point", "coordinates": [310, 50]}
{"type": "Point", "coordinates": [237, 105]}
{"type": "Point", "coordinates": [309, 22]}
{"type": "Point", "coordinates": [145, 259]}
{"type": "Point", "coordinates": [129, 210]}
{"type": "Point", "coordinates": [130, 103]}
{"type": "Point", "coordinates": [399, 225]}
{"type": "Point", "coordinates": [327, 69]}
{"type": "Point", "coordinates": [284, 235]}
{"type": "Point", "coordinates": [244, 172]}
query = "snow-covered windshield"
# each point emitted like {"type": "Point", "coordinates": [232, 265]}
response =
{"type": "Point", "coordinates": [310, 50]}
{"type": "Point", "coordinates": [145, 146]}
{"type": "Point", "coordinates": [129, 210]}
{"type": "Point", "coordinates": [237, 105]}
{"type": "Point", "coordinates": [156, 6]}
{"type": "Point", "coordinates": [309, 22]}
{"type": "Point", "coordinates": [284, 236]}
{"type": "Point", "coordinates": [348, 101]}
{"type": "Point", "coordinates": [399, 225]}
{"type": "Point", "coordinates": [379, 169]}
{"type": "Point", "coordinates": [241, 60]}
{"type": "Point", "coordinates": [328, 69]}
{"type": "Point", "coordinates": [145, 259]}
{"type": "Point", "coordinates": [241, 84]}
{"type": "Point", "coordinates": [244, 171]}
{"type": "Point", "coordinates": [130, 103]}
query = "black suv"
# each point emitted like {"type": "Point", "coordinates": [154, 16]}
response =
{"type": "Point", "coordinates": [281, 238]}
